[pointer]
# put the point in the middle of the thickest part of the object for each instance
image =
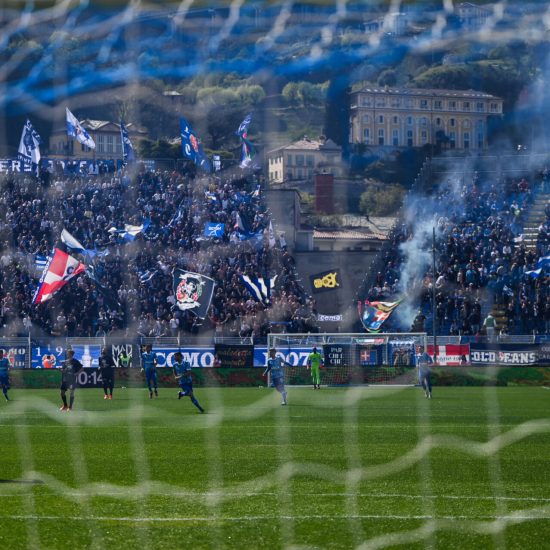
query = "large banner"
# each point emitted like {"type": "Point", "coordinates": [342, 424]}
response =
{"type": "Point", "coordinates": [296, 357]}
{"type": "Point", "coordinates": [451, 355]}
{"type": "Point", "coordinates": [241, 356]}
{"type": "Point", "coordinates": [17, 356]}
{"type": "Point", "coordinates": [50, 356]}
{"type": "Point", "coordinates": [504, 354]}
{"type": "Point", "coordinates": [336, 355]}
{"type": "Point", "coordinates": [327, 280]}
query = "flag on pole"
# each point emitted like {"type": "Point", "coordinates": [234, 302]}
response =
{"type": "Point", "coordinates": [75, 129]}
{"type": "Point", "coordinates": [130, 232]}
{"type": "Point", "coordinates": [192, 147]}
{"type": "Point", "coordinates": [147, 275]}
{"type": "Point", "coordinates": [193, 292]}
{"type": "Point", "coordinates": [247, 149]}
{"type": "Point", "coordinates": [59, 270]}
{"type": "Point", "coordinates": [75, 245]}
{"type": "Point", "coordinates": [127, 147]}
{"type": "Point", "coordinates": [271, 235]}
{"type": "Point", "coordinates": [243, 126]}
{"type": "Point", "coordinates": [259, 287]}
{"type": "Point", "coordinates": [29, 150]}
{"type": "Point", "coordinates": [374, 314]}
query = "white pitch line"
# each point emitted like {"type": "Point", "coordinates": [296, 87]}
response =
{"type": "Point", "coordinates": [153, 519]}
{"type": "Point", "coordinates": [186, 494]}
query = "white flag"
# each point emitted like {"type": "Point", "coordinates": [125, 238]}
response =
{"type": "Point", "coordinates": [271, 235]}
{"type": "Point", "coordinates": [75, 129]}
{"type": "Point", "coordinates": [29, 151]}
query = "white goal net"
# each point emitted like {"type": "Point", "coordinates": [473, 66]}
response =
{"type": "Point", "coordinates": [350, 359]}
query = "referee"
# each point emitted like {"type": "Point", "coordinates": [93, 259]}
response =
{"type": "Point", "coordinates": [69, 371]}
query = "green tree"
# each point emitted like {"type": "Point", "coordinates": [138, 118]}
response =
{"type": "Point", "coordinates": [381, 201]}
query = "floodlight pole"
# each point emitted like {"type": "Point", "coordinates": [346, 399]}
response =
{"type": "Point", "coordinates": [434, 309]}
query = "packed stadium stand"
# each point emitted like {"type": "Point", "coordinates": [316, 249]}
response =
{"type": "Point", "coordinates": [130, 289]}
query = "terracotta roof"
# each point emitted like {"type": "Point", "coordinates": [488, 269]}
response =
{"type": "Point", "coordinates": [309, 145]}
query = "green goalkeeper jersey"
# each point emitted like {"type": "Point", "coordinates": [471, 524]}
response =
{"type": "Point", "coordinates": [314, 360]}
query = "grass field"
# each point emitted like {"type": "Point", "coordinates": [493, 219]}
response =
{"type": "Point", "coordinates": [336, 468]}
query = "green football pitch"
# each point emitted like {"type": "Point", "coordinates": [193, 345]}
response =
{"type": "Point", "coordinates": [336, 468]}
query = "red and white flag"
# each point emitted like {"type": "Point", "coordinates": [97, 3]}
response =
{"type": "Point", "coordinates": [58, 272]}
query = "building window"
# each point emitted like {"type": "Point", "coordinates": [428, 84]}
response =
{"type": "Point", "coordinates": [423, 103]}
{"type": "Point", "coordinates": [300, 173]}
{"type": "Point", "coordinates": [452, 122]}
{"type": "Point", "coordinates": [367, 102]}
{"type": "Point", "coordinates": [480, 140]}
{"type": "Point", "coordinates": [380, 136]}
{"type": "Point", "coordinates": [452, 105]}
{"type": "Point", "coordinates": [309, 160]}
{"type": "Point", "coordinates": [395, 120]}
{"type": "Point", "coordinates": [395, 103]}
{"type": "Point", "coordinates": [409, 138]}
{"type": "Point", "coordinates": [410, 120]}
{"type": "Point", "coordinates": [480, 107]}
{"type": "Point", "coordinates": [101, 143]}
{"type": "Point", "coordinates": [438, 121]}
{"type": "Point", "coordinates": [395, 138]}
{"type": "Point", "coordinates": [466, 139]}
{"type": "Point", "coordinates": [289, 159]}
{"type": "Point", "coordinates": [110, 147]}
{"type": "Point", "coordinates": [366, 135]}
{"type": "Point", "coordinates": [299, 160]}
{"type": "Point", "coordinates": [365, 119]}
{"type": "Point", "coordinates": [381, 119]}
{"type": "Point", "coordinates": [466, 106]}
{"type": "Point", "coordinates": [452, 139]}
{"type": "Point", "coordinates": [423, 121]}
{"type": "Point", "coordinates": [494, 108]}
{"type": "Point", "coordinates": [424, 137]}
{"type": "Point", "coordinates": [380, 101]}
{"type": "Point", "coordinates": [466, 123]}
{"type": "Point", "coordinates": [437, 104]}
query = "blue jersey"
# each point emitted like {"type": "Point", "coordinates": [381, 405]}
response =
{"type": "Point", "coordinates": [183, 372]}
{"type": "Point", "coordinates": [423, 363]}
{"type": "Point", "coordinates": [276, 367]}
{"type": "Point", "coordinates": [148, 360]}
{"type": "Point", "coordinates": [4, 366]}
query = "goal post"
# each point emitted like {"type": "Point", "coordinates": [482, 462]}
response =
{"type": "Point", "coordinates": [350, 359]}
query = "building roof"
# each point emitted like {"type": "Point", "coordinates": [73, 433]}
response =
{"type": "Point", "coordinates": [347, 235]}
{"type": "Point", "coordinates": [307, 144]}
{"type": "Point", "coordinates": [95, 125]}
{"type": "Point", "coordinates": [473, 94]}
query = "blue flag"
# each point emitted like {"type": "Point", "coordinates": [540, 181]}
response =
{"type": "Point", "coordinates": [147, 275]}
{"type": "Point", "coordinates": [259, 287]}
{"type": "Point", "coordinates": [191, 146]}
{"type": "Point", "coordinates": [243, 127]}
{"type": "Point", "coordinates": [544, 261]}
{"type": "Point", "coordinates": [127, 147]}
{"type": "Point", "coordinates": [76, 130]}
{"type": "Point", "coordinates": [29, 146]}
{"type": "Point", "coordinates": [215, 230]}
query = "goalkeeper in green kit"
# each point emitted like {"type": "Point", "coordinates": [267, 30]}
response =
{"type": "Point", "coordinates": [315, 362]}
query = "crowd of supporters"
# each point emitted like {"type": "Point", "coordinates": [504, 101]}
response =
{"type": "Point", "coordinates": [114, 296]}
{"type": "Point", "coordinates": [482, 261]}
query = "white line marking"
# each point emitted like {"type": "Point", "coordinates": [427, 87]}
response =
{"type": "Point", "coordinates": [186, 494]}
{"type": "Point", "coordinates": [264, 518]}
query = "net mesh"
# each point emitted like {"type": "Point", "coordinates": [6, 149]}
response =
{"type": "Point", "coordinates": [349, 359]}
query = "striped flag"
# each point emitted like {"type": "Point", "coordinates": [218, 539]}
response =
{"type": "Point", "coordinates": [259, 287]}
{"type": "Point", "coordinates": [59, 270]}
